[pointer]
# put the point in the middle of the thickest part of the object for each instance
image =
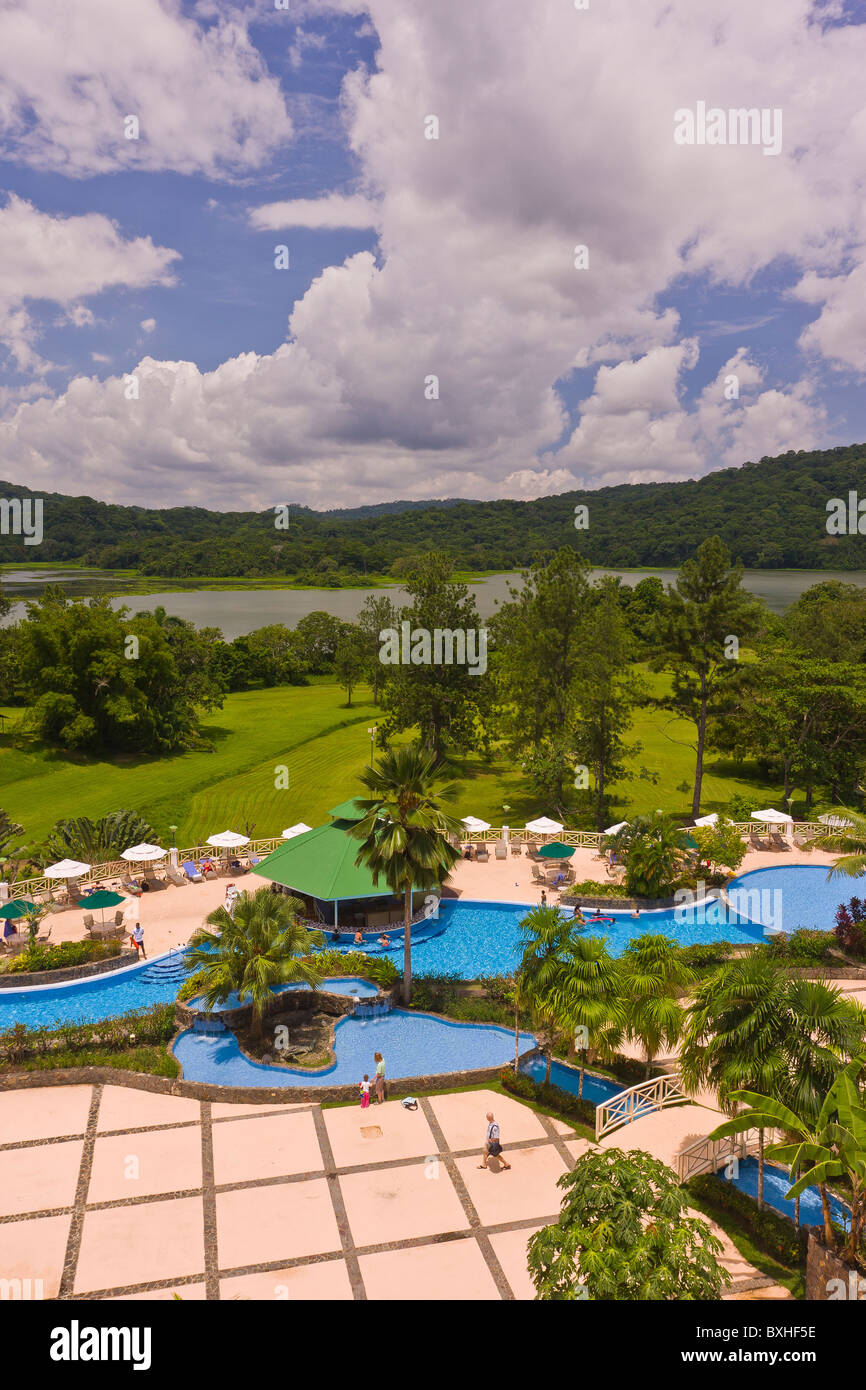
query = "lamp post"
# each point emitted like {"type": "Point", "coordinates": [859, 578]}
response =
{"type": "Point", "coordinates": [172, 852]}
{"type": "Point", "coordinates": [372, 732]}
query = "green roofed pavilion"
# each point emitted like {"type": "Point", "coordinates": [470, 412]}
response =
{"type": "Point", "coordinates": [348, 810]}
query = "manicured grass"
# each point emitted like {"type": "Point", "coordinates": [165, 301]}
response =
{"type": "Point", "coordinates": [155, 1061]}
{"type": "Point", "coordinates": [324, 745]}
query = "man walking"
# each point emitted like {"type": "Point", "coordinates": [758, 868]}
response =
{"type": "Point", "coordinates": [493, 1145]}
{"type": "Point", "coordinates": [138, 939]}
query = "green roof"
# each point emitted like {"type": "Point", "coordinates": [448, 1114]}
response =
{"type": "Point", "coordinates": [348, 810]}
{"type": "Point", "coordinates": [321, 863]}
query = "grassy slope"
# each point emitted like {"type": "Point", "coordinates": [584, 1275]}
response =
{"type": "Point", "coordinates": [325, 746]}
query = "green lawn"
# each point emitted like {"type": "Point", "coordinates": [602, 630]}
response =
{"type": "Point", "coordinates": [325, 746]}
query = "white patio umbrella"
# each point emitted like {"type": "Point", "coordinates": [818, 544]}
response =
{"type": "Point", "coordinates": [473, 823]}
{"type": "Point", "coordinates": [771, 817]}
{"type": "Point", "coordinates": [544, 826]}
{"type": "Point", "coordinates": [615, 829]}
{"type": "Point", "coordinates": [66, 868]}
{"type": "Point", "coordinates": [708, 820]}
{"type": "Point", "coordinates": [228, 839]}
{"type": "Point", "coordinates": [293, 830]}
{"type": "Point", "coordinates": [143, 854]}
{"type": "Point", "coordinates": [71, 869]}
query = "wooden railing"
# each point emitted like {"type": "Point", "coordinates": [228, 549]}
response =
{"type": "Point", "coordinates": [708, 1155]}
{"type": "Point", "coordinates": [580, 839]}
{"type": "Point", "coordinates": [656, 1094]}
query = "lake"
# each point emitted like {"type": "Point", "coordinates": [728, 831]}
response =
{"type": "Point", "coordinates": [237, 611]}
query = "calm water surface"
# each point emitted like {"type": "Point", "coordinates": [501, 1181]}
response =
{"type": "Point", "coordinates": [238, 611]}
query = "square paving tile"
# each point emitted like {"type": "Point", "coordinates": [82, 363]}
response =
{"type": "Point", "coordinates": [40, 1178]}
{"type": "Point", "coordinates": [463, 1119]}
{"type": "Point", "coordinates": [141, 1165]}
{"type": "Point", "coordinates": [266, 1146]}
{"type": "Point", "coordinates": [35, 1250]}
{"type": "Point", "coordinates": [400, 1203]}
{"type": "Point", "coordinates": [140, 1243]}
{"type": "Point", "coordinates": [405, 1134]}
{"type": "Point", "coordinates": [510, 1250]}
{"type": "Point", "coordinates": [456, 1269]}
{"type": "Point", "coordinates": [327, 1282]}
{"type": "Point", "coordinates": [283, 1221]}
{"type": "Point", "coordinates": [123, 1107]}
{"type": "Point", "coordinates": [528, 1190]}
{"type": "Point", "coordinates": [222, 1110]}
{"type": "Point", "coordinates": [44, 1112]}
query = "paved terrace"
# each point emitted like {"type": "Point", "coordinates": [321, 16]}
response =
{"type": "Point", "coordinates": [111, 1193]}
{"type": "Point", "coordinates": [171, 915]}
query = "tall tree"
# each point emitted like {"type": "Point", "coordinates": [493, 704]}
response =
{"type": "Point", "coordinates": [653, 979]}
{"type": "Point", "coordinates": [377, 615]}
{"type": "Point", "coordinates": [405, 832]}
{"type": "Point", "coordinates": [349, 660]}
{"type": "Point", "coordinates": [707, 616]}
{"type": "Point", "coordinates": [446, 696]}
{"type": "Point", "coordinates": [607, 692]}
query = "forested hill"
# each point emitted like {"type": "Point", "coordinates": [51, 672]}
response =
{"type": "Point", "coordinates": [772, 514]}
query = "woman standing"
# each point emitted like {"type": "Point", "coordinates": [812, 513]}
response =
{"type": "Point", "coordinates": [380, 1078]}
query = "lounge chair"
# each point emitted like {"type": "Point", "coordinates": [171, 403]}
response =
{"type": "Point", "coordinates": [501, 850]}
{"type": "Point", "coordinates": [481, 854]}
{"type": "Point", "coordinates": [778, 842]}
{"type": "Point", "coordinates": [192, 873]}
{"type": "Point", "coordinates": [253, 860]}
{"type": "Point", "coordinates": [130, 885]}
{"type": "Point", "coordinates": [236, 867]}
{"type": "Point", "coordinates": [757, 843]}
{"type": "Point", "coordinates": [516, 848]}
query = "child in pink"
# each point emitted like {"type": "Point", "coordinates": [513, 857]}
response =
{"type": "Point", "coordinates": [365, 1092]}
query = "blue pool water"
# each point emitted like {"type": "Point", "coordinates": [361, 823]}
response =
{"type": "Point", "coordinates": [792, 897]}
{"type": "Point", "coordinates": [776, 1184]}
{"type": "Point", "coordinates": [412, 1045]}
{"type": "Point", "coordinates": [595, 1088]}
{"type": "Point", "coordinates": [359, 989]}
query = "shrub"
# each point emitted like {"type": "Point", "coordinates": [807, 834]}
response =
{"type": "Point", "coordinates": [582, 1111]}
{"type": "Point", "coordinates": [802, 947]}
{"type": "Point", "coordinates": [435, 993]}
{"type": "Point", "coordinates": [141, 1027]}
{"type": "Point", "coordinates": [590, 889]}
{"type": "Point", "coordinates": [850, 930]}
{"type": "Point", "coordinates": [773, 1233]}
{"type": "Point", "coordinates": [62, 955]}
{"type": "Point", "coordinates": [704, 955]}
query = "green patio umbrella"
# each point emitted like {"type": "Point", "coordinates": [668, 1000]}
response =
{"type": "Point", "coordinates": [690, 842]}
{"type": "Point", "coordinates": [18, 907]}
{"type": "Point", "coordinates": [556, 851]}
{"type": "Point", "coordinates": [102, 898]}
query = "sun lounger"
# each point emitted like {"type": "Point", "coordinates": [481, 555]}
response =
{"type": "Point", "coordinates": [481, 854]}
{"type": "Point", "coordinates": [757, 843]}
{"type": "Point", "coordinates": [501, 851]}
{"type": "Point", "coordinates": [778, 842]}
{"type": "Point", "coordinates": [516, 848]}
{"type": "Point", "coordinates": [192, 873]}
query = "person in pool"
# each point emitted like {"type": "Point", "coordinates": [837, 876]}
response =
{"type": "Point", "coordinates": [384, 941]}
{"type": "Point", "coordinates": [359, 937]}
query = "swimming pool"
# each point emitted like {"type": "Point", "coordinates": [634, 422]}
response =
{"type": "Point", "coordinates": [483, 938]}
{"type": "Point", "coordinates": [595, 1088]}
{"type": "Point", "coordinates": [412, 1045]}
{"type": "Point", "coordinates": [776, 1184]}
{"type": "Point", "coordinates": [793, 896]}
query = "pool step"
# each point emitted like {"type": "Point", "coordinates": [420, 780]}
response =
{"type": "Point", "coordinates": [167, 972]}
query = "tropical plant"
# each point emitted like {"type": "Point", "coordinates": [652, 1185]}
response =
{"type": "Point", "coordinates": [751, 1027]}
{"type": "Point", "coordinates": [849, 841]}
{"type": "Point", "coordinates": [624, 1234]}
{"type": "Point", "coordinates": [720, 845]}
{"type": "Point", "coordinates": [94, 842]}
{"type": "Point", "coordinates": [588, 999]}
{"type": "Point", "coordinates": [653, 978]}
{"type": "Point", "coordinates": [260, 945]}
{"type": "Point", "coordinates": [654, 851]}
{"type": "Point", "coordinates": [818, 1149]}
{"type": "Point", "coordinates": [405, 832]}
{"type": "Point", "coordinates": [546, 936]}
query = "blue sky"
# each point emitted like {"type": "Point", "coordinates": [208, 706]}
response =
{"type": "Point", "coordinates": [413, 258]}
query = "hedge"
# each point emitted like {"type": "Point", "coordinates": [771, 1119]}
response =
{"type": "Point", "coordinates": [64, 953]}
{"type": "Point", "coordinates": [548, 1095]}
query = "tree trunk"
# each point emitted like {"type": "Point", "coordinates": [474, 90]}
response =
{"type": "Point", "coordinates": [699, 760]}
{"type": "Point", "coordinates": [407, 947]}
{"type": "Point", "coordinates": [516, 1033]}
{"type": "Point", "coordinates": [582, 1070]}
{"type": "Point", "coordinates": [760, 1170]}
{"type": "Point", "coordinates": [549, 1059]}
{"type": "Point", "coordinates": [829, 1237]}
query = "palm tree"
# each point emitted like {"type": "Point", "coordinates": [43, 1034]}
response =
{"type": "Point", "coordinates": [653, 979]}
{"type": "Point", "coordinates": [654, 851]}
{"type": "Point", "coordinates": [405, 832]}
{"type": "Point", "coordinates": [100, 840]}
{"type": "Point", "coordinates": [546, 937]}
{"type": "Point", "coordinates": [732, 1037]}
{"type": "Point", "coordinates": [588, 997]}
{"type": "Point", "coordinates": [259, 947]}
{"type": "Point", "coordinates": [829, 1145]}
{"type": "Point", "coordinates": [849, 841]}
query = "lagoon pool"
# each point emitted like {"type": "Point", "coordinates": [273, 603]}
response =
{"type": "Point", "coordinates": [596, 1089]}
{"type": "Point", "coordinates": [790, 897]}
{"type": "Point", "coordinates": [412, 1045]}
{"type": "Point", "coordinates": [776, 1184]}
{"type": "Point", "coordinates": [341, 984]}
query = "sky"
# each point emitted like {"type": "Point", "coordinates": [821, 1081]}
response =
{"type": "Point", "coordinates": [326, 251]}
